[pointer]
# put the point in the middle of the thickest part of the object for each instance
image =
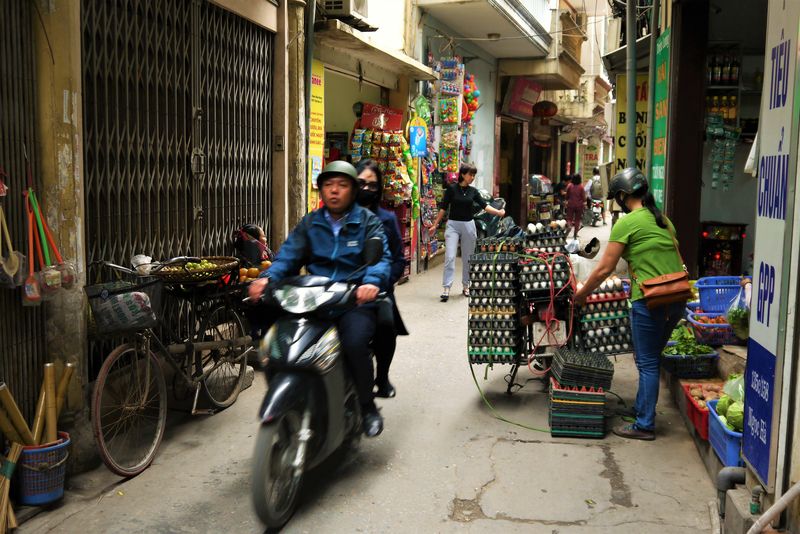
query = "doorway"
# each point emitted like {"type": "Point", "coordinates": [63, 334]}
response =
{"type": "Point", "coordinates": [511, 166]}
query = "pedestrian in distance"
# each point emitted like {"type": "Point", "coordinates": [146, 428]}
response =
{"type": "Point", "coordinates": [576, 203]}
{"type": "Point", "coordinates": [370, 192]}
{"type": "Point", "coordinates": [458, 204]}
{"type": "Point", "coordinates": [645, 238]}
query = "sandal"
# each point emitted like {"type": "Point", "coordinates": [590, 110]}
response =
{"type": "Point", "coordinates": [445, 294]}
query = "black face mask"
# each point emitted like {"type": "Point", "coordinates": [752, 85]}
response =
{"type": "Point", "coordinates": [621, 203]}
{"type": "Point", "coordinates": [368, 198]}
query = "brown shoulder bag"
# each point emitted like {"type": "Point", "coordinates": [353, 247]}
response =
{"type": "Point", "coordinates": [666, 288]}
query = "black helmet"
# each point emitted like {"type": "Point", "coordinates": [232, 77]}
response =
{"type": "Point", "coordinates": [338, 168]}
{"type": "Point", "coordinates": [628, 181]}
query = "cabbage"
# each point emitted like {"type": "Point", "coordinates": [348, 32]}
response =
{"type": "Point", "coordinates": [723, 404]}
{"type": "Point", "coordinates": [736, 416]}
{"type": "Point", "coordinates": [724, 420]}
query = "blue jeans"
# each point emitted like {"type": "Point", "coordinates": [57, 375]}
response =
{"type": "Point", "coordinates": [651, 330]}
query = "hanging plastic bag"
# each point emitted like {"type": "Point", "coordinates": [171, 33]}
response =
{"type": "Point", "coordinates": [738, 313]}
{"type": "Point", "coordinates": [734, 388]}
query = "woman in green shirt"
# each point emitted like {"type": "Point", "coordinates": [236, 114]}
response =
{"type": "Point", "coordinates": [644, 238]}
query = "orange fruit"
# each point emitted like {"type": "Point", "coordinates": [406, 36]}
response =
{"type": "Point", "coordinates": [253, 272]}
{"type": "Point", "coordinates": [243, 277]}
{"type": "Point", "coordinates": [242, 272]}
{"type": "Point", "coordinates": [266, 264]}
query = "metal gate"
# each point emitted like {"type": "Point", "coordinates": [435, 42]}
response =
{"type": "Point", "coordinates": [22, 334]}
{"type": "Point", "coordinates": [177, 121]}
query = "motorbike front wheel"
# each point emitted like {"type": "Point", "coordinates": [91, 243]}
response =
{"type": "Point", "coordinates": [276, 475]}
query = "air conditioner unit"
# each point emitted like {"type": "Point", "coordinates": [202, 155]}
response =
{"type": "Point", "coordinates": [353, 12]}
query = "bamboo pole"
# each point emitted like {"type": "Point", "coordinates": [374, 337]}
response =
{"type": "Point", "coordinates": [38, 420]}
{"type": "Point", "coordinates": [5, 482]}
{"type": "Point", "coordinates": [50, 414]}
{"type": "Point", "coordinates": [63, 384]}
{"type": "Point", "coordinates": [7, 428]}
{"type": "Point", "coordinates": [12, 518]}
{"type": "Point", "coordinates": [15, 415]}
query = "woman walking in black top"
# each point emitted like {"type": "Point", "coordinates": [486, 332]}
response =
{"type": "Point", "coordinates": [459, 205]}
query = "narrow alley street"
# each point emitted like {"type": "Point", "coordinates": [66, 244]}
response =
{"type": "Point", "coordinates": [443, 464]}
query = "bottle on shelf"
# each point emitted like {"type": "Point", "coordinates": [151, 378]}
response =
{"type": "Point", "coordinates": [725, 76]}
{"type": "Point", "coordinates": [723, 107]}
{"type": "Point", "coordinates": [732, 111]}
{"type": "Point", "coordinates": [708, 105]}
{"type": "Point", "coordinates": [710, 69]}
{"type": "Point", "coordinates": [715, 104]}
{"type": "Point", "coordinates": [717, 70]}
{"type": "Point", "coordinates": [735, 71]}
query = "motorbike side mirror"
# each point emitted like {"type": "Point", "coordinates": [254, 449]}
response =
{"type": "Point", "coordinates": [373, 251]}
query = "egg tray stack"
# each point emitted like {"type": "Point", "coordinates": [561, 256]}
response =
{"type": "Point", "coordinates": [582, 369]}
{"type": "Point", "coordinates": [535, 279]}
{"type": "Point", "coordinates": [605, 326]}
{"type": "Point", "coordinates": [576, 411]}
{"type": "Point", "coordinates": [494, 330]}
{"type": "Point", "coordinates": [547, 240]}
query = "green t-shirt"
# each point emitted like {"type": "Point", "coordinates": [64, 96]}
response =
{"type": "Point", "coordinates": [649, 249]}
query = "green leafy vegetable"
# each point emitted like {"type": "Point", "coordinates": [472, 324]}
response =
{"type": "Point", "coordinates": [736, 416]}
{"type": "Point", "coordinates": [739, 319]}
{"type": "Point", "coordinates": [686, 344]}
{"type": "Point", "coordinates": [723, 404]}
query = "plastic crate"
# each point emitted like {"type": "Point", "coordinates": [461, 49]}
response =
{"type": "Point", "coordinates": [725, 442]}
{"type": "Point", "coordinates": [713, 334]}
{"type": "Point", "coordinates": [717, 292]}
{"type": "Point", "coordinates": [702, 366]}
{"type": "Point", "coordinates": [697, 415]}
{"type": "Point", "coordinates": [692, 307]}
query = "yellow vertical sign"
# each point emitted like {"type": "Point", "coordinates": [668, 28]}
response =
{"type": "Point", "coordinates": [316, 132]}
{"type": "Point", "coordinates": [621, 141]}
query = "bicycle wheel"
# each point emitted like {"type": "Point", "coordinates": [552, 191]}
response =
{"type": "Point", "coordinates": [129, 409]}
{"type": "Point", "coordinates": [225, 366]}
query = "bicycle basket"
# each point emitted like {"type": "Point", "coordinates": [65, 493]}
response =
{"type": "Point", "coordinates": [124, 306]}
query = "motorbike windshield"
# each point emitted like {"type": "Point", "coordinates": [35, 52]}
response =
{"type": "Point", "coordinates": [300, 300]}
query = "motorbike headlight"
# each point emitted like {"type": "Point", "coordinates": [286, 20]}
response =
{"type": "Point", "coordinates": [302, 299]}
{"type": "Point", "coordinates": [323, 354]}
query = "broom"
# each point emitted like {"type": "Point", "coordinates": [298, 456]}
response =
{"type": "Point", "coordinates": [15, 415]}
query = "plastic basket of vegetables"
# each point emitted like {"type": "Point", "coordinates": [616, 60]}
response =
{"type": "Point", "coordinates": [687, 358]}
{"type": "Point", "coordinates": [713, 329]}
{"type": "Point", "coordinates": [722, 434]}
{"type": "Point", "coordinates": [697, 397]}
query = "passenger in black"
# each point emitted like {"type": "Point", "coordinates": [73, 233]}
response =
{"type": "Point", "coordinates": [370, 182]}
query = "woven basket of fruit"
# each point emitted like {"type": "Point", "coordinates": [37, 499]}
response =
{"type": "Point", "coordinates": [188, 270]}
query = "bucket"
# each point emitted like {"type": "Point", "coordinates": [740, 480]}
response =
{"type": "Point", "coordinates": [40, 472]}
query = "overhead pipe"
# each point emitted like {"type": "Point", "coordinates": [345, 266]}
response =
{"type": "Point", "coordinates": [630, 118]}
{"type": "Point", "coordinates": [728, 478]}
{"type": "Point", "coordinates": [775, 510]}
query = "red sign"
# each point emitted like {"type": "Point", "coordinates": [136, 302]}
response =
{"type": "Point", "coordinates": [521, 95]}
{"type": "Point", "coordinates": [375, 117]}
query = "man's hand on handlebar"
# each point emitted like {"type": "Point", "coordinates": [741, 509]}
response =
{"type": "Point", "coordinates": [256, 289]}
{"type": "Point", "coordinates": [366, 293]}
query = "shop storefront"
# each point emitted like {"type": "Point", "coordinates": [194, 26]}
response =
{"type": "Point", "coordinates": [360, 109]}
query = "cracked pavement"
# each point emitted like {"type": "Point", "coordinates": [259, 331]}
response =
{"type": "Point", "coordinates": [443, 464]}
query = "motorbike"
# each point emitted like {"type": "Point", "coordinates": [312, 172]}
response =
{"type": "Point", "coordinates": [595, 214]}
{"type": "Point", "coordinates": [488, 225]}
{"type": "Point", "coordinates": [311, 407]}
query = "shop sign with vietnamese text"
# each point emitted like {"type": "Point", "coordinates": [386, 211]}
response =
{"type": "Point", "coordinates": [775, 180]}
{"type": "Point", "coordinates": [659, 158]}
{"type": "Point", "coordinates": [621, 141]}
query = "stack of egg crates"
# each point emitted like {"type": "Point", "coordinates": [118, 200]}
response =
{"type": "Point", "coordinates": [605, 326]}
{"type": "Point", "coordinates": [535, 279]}
{"type": "Point", "coordinates": [546, 239]}
{"type": "Point", "coordinates": [577, 393]}
{"type": "Point", "coordinates": [494, 332]}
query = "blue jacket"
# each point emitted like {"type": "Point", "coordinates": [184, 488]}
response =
{"type": "Point", "coordinates": [392, 230]}
{"type": "Point", "coordinates": [312, 244]}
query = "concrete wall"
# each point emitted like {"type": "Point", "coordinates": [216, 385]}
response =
{"type": "Point", "coordinates": [341, 92]}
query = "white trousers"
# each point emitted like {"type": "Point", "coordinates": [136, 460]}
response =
{"type": "Point", "coordinates": [465, 232]}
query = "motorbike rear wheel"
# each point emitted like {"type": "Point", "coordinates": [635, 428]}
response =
{"type": "Point", "coordinates": [276, 480]}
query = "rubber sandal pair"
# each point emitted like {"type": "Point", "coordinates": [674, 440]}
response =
{"type": "Point", "coordinates": [445, 295]}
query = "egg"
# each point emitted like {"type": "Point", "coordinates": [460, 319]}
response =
{"type": "Point", "coordinates": [618, 284]}
{"type": "Point", "coordinates": [623, 329]}
{"type": "Point", "coordinates": [606, 331]}
{"type": "Point", "coordinates": [590, 333]}
{"type": "Point", "coordinates": [624, 346]}
{"type": "Point", "coordinates": [594, 349]}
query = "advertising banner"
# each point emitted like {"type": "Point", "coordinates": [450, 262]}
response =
{"type": "Point", "coordinates": [621, 141]}
{"type": "Point", "coordinates": [590, 158]}
{"type": "Point", "coordinates": [659, 158]}
{"type": "Point", "coordinates": [521, 95]}
{"type": "Point", "coordinates": [316, 132]}
{"type": "Point", "coordinates": [775, 181]}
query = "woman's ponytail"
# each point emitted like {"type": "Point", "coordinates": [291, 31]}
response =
{"type": "Point", "coordinates": [649, 202]}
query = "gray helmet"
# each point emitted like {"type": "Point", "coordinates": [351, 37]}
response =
{"type": "Point", "coordinates": [338, 168]}
{"type": "Point", "coordinates": [627, 181]}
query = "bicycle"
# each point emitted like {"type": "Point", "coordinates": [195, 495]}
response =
{"type": "Point", "coordinates": [129, 400]}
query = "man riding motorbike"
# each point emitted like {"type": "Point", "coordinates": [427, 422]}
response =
{"type": "Point", "coordinates": [329, 242]}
